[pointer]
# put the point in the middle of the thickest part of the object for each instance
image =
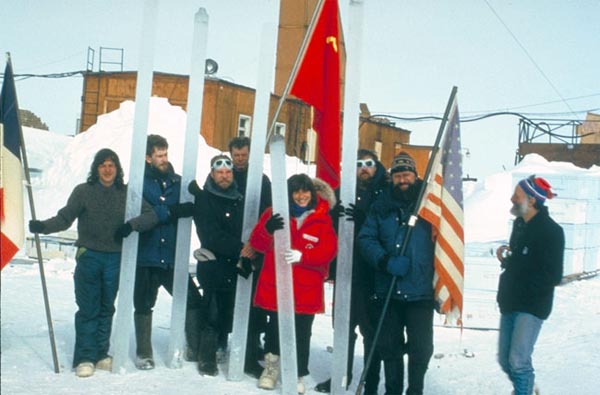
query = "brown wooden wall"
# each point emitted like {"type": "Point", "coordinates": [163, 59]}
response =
{"type": "Point", "coordinates": [223, 103]}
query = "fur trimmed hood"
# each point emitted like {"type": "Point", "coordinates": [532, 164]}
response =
{"type": "Point", "coordinates": [325, 192]}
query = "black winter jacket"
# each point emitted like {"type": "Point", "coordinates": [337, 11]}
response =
{"type": "Point", "coordinates": [218, 216]}
{"type": "Point", "coordinates": [534, 268]}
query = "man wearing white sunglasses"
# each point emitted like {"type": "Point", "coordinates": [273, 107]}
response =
{"type": "Point", "coordinates": [218, 216]}
{"type": "Point", "coordinates": [371, 180]}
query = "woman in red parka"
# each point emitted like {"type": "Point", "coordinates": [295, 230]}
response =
{"type": "Point", "coordinates": [313, 246]}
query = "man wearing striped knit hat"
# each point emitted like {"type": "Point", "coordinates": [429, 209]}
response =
{"type": "Point", "coordinates": [532, 266]}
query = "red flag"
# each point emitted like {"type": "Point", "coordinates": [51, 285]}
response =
{"type": "Point", "coordinates": [443, 208]}
{"type": "Point", "coordinates": [11, 172]}
{"type": "Point", "coordinates": [317, 82]}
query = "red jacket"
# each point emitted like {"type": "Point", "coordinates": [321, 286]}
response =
{"type": "Point", "coordinates": [317, 241]}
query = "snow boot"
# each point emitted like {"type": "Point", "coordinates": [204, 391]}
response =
{"type": "Point", "coordinates": [104, 364]}
{"type": "Point", "coordinates": [192, 335]}
{"type": "Point", "coordinates": [269, 376]}
{"type": "Point", "coordinates": [207, 352]}
{"type": "Point", "coordinates": [300, 386]}
{"type": "Point", "coordinates": [143, 338]}
{"type": "Point", "coordinates": [84, 369]}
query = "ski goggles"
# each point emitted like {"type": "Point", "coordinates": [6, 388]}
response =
{"type": "Point", "coordinates": [222, 164]}
{"type": "Point", "coordinates": [365, 163]}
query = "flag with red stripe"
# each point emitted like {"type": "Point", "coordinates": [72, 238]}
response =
{"type": "Point", "coordinates": [11, 171]}
{"type": "Point", "coordinates": [318, 84]}
{"type": "Point", "coordinates": [442, 206]}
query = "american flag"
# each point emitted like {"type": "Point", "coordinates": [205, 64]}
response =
{"type": "Point", "coordinates": [442, 206]}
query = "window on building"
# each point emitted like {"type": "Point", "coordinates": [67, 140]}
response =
{"type": "Point", "coordinates": [244, 125]}
{"type": "Point", "coordinates": [280, 128]}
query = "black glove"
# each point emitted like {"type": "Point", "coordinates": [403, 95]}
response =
{"type": "Point", "coordinates": [181, 210]}
{"type": "Point", "coordinates": [244, 267]}
{"type": "Point", "coordinates": [36, 226]}
{"type": "Point", "coordinates": [337, 211]}
{"type": "Point", "coordinates": [194, 189]}
{"type": "Point", "coordinates": [350, 210]}
{"type": "Point", "coordinates": [123, 231]}
{"type": "Point", "coordinates": [274, 223]}
{"type": "Point", "coordinates": [355, 214]}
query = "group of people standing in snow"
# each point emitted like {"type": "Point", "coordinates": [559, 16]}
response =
{"type": "Point", "coordinates": [385, 201]}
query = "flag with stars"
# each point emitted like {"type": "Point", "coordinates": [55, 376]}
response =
{"type": "Point", "coordinates": [442, 206]}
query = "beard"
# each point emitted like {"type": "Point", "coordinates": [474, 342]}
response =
{"type": "Point", "coordinates": [519, 209]}
{"type": "Point", "coordinates": [408, 195]}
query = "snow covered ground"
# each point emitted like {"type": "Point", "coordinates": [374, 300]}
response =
{"type": "Point", "coordinates": [566, 356]}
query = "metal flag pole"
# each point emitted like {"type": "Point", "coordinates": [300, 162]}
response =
{"type": "Point", "coordinates": [36, 235]}
{"type": "Point", "coordinates": [411, 223]}
{"type": "Point", "coordinates": [299, 57]}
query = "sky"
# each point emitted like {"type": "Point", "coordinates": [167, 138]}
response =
{"type": "Point", "coordinates": [537, 57]}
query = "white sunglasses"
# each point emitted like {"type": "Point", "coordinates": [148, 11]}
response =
{"type": "Point", "coordinates": [222, 164]}
{"type": "Point", "coordinates": [365, 163]}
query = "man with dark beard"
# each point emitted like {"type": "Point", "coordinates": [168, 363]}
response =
{"type": "Point", "coordinates": [218, 215]}
{"type": "Point", "coordinates": [533, 266]}
{"type": "Point", "coordinates": [371, 180]}
{"type": "Point", "coordinates": [156, 253]}
{"type": "Point", "coordinates": [408, 324]}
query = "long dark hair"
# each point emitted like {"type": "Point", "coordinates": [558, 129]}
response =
{"type": "Point", "coordinates": [99, 158]}
{"type": "Point", "coordinates": [298, 182]}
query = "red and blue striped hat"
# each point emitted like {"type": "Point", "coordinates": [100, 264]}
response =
{"type": "Point", "coordinates": [538, 188]}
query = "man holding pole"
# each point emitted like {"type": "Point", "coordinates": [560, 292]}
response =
{"type": "Point", "coordinates": [99, 207]}
{"type": "Point", "coordinates": [408, 321]}
{"type": "Point", "coordinates": [156, 253]}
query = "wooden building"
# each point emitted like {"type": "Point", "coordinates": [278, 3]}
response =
{"type": "Point", "coordinates": [228, 108]}
{"type": "Point", "coordinates": [228, 111]}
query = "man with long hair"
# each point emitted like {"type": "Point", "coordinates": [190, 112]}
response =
{"type": "Point", "coordinates": [99, 207]}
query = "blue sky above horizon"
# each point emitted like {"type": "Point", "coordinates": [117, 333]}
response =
{"type": "Point", "coordinates": [413, 53]}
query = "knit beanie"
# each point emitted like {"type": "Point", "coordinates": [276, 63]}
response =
{"type": "Point", "coordinates": [537, 188]}
{"type": "Point", "coordinates": [403, 162]}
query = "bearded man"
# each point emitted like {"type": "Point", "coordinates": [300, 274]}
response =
{"type": "Point", "coordinates": [408, 323]}
{"type": "Point", "coordinates": [532, 266]}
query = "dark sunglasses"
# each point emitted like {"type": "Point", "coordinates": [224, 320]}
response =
{"type": "Point", "coordinates": [365, 163]}
{"type": "Point", "coordinates": [222, 164]}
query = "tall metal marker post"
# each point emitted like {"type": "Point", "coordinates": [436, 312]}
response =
{"type": "Point", "coordinates": [283, 271]}
{"type": "Point", "coordinates": [243, 293]}
{"type": "Point", "coordinates": [411, 224]}
{"type": "Point", "coordinates": [134, 190]}
{"type": "Point", "coordinates": [190, 159]}
{"type": "Point", "coordinates": [343, 289]}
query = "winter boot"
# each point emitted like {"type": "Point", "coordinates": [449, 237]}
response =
{"type": "Point", "coordinates": [300, 386]}
{"type": "Point", "coordinates": [84, 369]}
{"type": "Point", "coordinates": [192, 335]}
{"type": "Point", "coordinates": [207, 352]}
{"type": "Point", "coordinates": [104, 364]}
{"type": "Point", "coordinates": [268, 378]}
{"type": "Point", "coordinates": [143, 337]}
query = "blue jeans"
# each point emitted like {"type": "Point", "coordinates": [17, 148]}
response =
{"type": "Point", "coordinates": [96, 281]}
{"type": "Point", "coordinates": [518, 334]}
